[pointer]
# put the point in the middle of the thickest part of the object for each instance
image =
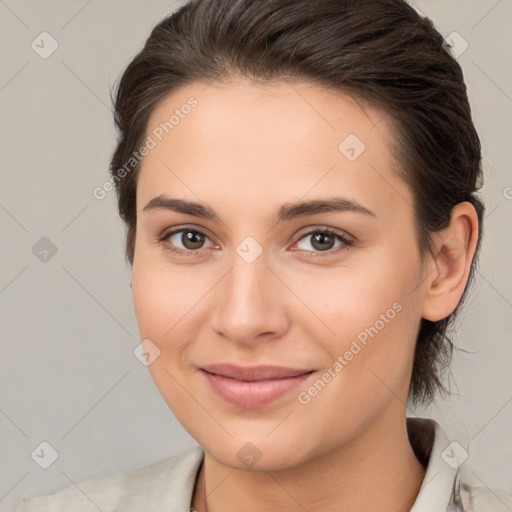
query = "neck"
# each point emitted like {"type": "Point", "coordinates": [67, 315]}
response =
{"type": "Point", "coordinates": [376, 468]}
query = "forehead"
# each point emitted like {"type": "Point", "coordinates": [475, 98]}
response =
{"type": "Point", "coordinates": [262, 145]}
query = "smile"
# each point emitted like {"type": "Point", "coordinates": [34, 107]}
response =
{"type": "Point", "coordinates": [255, 386]}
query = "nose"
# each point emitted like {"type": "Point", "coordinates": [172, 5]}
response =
{"type": "Point", "coordinates": [250, 303]}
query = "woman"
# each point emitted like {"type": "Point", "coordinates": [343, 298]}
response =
{"type": "Point", "coordinates": [251, 134]}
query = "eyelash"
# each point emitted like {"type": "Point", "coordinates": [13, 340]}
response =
{"type": "Point", "coordinates": [346, 243]}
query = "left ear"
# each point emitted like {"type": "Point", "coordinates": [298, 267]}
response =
{"type": "Point", "coordinates": [455, 248]}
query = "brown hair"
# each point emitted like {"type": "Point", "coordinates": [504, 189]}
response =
{"type": "Point", "coordinates": [381, 51]}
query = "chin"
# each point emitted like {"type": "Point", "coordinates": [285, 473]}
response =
{"type": "Point", "coordinates": [248, 456]}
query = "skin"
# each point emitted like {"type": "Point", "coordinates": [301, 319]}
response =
{"type": "Point", "coordinates": [245, 150]}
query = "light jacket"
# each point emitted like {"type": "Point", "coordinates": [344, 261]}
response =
{"type": "Point", "coordinates": [168, 485]}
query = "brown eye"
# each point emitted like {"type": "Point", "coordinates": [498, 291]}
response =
{"type": "Point", "coordinates": [322, 241]}
{"type": "Point", "coordinates": [192, 240]}
{"type": "Point", "coordinates": [185, 240]}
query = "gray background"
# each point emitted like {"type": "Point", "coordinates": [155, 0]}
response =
{"type": "Point", "coordinates": [68, 373]}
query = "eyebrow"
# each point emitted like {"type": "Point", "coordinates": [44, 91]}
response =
{"type": "Point", "coordinates": [286, 212]}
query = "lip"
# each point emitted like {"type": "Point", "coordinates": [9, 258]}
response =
{"type": "Point", "coordinates": [253, 386]}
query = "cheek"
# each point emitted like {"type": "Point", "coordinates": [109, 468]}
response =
{"type": "Point", "coordinates": [368, 368]}
{"type": "Point", "coordinates": [348, 299]}
{"type": "Point", "coordinates": [372, 319]}
{"type": "Point", "coordinates": [162, 298]}
{"type": "Point", "coordinates": [171, 305]}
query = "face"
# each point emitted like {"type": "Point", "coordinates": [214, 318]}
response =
{"type": "Point", "coordinates": [277, 330]}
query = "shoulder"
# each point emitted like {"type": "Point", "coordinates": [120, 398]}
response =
{"type": "Point", "coordinates": [449, 484]}
{"type": "Point", "coordinates": [473, 498]}
{"type": "Point", "coordinates": [484, 499]}
{"type": "Point", "coordinates": [163, 485]}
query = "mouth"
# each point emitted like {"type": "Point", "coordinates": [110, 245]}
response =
{"type": "Point", "coordinates": [254, 386]}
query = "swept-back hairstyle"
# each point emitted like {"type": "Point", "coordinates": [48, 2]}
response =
{"type": "Point", "coordinates": [380, 52]}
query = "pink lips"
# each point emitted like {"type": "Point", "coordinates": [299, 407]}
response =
{"type": "Point", "coordinates": [252, 386]}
